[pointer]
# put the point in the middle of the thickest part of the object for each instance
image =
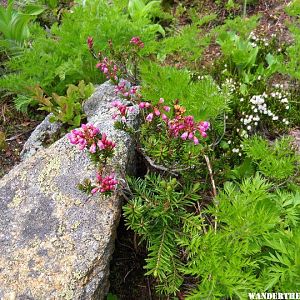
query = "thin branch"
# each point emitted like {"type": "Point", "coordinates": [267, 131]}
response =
{"type": "Point", "coordinates": [211, 175]}
{"type": "Point", "coordinates": [162, 168]}
{"type": "Point", "coordinates": [214, 190]}
{"type": "Point", "coordinates": [18, 135]}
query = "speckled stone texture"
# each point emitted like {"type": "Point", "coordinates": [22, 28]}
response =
{"type": "Point", "coordinates": [43, 131]}
{"type": "Point", "coordinates": [56, 242]}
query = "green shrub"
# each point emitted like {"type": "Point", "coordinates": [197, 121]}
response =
{"type": "Point", "coordinates": [202, 98]}
{"type": "Point", "coordinates": [158, 214]}
{"type": "Point", "coordinates": [65, 109]}
{"type": "Point", "coordinates": [277, 161]}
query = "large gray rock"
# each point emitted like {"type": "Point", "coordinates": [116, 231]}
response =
{"type": "Point", "coordinates": [37, 140]}
{"type": "Point", "coordinates": [55, 241]}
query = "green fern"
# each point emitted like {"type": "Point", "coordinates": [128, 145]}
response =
{"type": "Point", "coordinates": [277, 161]}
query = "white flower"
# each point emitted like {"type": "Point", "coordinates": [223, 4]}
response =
{"type": "Point", "coordinates": [275, 118]}
{"type": "Point", "coordinates": [249, 127]}
{"type": "Point", "coordinates": [287, 107]}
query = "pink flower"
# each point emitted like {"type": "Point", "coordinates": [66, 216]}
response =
{"type": "Point", "coordinates": [167, 108]}
{"type": "Point", "coordinates": [196, 141]}
{"type": "Point", "coordinates": [122, 111]}
{"type": "Point", "coordinates": [105, 184]}
{"type": "Point", "coordinates": [143, 105]}
{"type": "Point", "coordinates": [164, 117]}
{"type": "Point", "coordinates": [90, 42]}
{"type": "Point", "coordinates": [89, 137]}
{"type": "Point", "coordinates": [184, 135]}
{"type": "Point", "coordinates": [137, 41]}
{"type": "Point", "coordinates": [156, 111]}
{"type": "Point", "coordinates": [94, 190]}
{"type": "Point", "coordinates": [108, 68]}
{"type": "Point", "coordinates": [93, 148]}
{"type": "Point", "coordinates": [149, 118]}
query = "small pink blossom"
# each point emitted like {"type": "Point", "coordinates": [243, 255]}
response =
{"type": "Point", "coordinates": [149, 118]}
{"type": "Point", "coordinates": [93, 148]}
{"type": "Point", "coordinates": [123, 110]}
{"type": "Point", "coordinates": [137, 41]}
{"type": "Point", "coordinates": [184, 135]}
{"type": "Point", "coordinates": [143, 105]}
{"type": "Point", "coordinates": [105, 184]}
{"type": "Point", "coordinates": [108, 68]}
{"type": "Point", "coordinates": [90, 42]}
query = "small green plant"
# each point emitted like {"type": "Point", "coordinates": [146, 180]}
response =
{"type": "Point", "coordinates": [158, 212]}
{"type": "Point", "coordinates": [139, 10]}
{"type": "Point", "coordinates": [66, 109]}
{"type": "Point", "coordinates": [276, 161]}
{"type": "Point", "coordinates": [14, 24]}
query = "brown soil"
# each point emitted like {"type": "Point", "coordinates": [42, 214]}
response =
{"type": "Point", "coordinates": [15, 128]}
{"type": "Point", "coordinates": [127, 275]}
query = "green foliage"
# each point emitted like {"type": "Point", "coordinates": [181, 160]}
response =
{"type": "Point", "coordinates": [202, 99]}
{"type": "Point", "coordinates": [293, 9]}
{"type": "Point", "coordinates": [61, 57]}
{"type": "Point", "coordinates": [157, 212]}
{"type": "Point", "coordinates": [292, 66]}
{"type": "Point", "coordinates": [254, 247]}
{"type": "Point", "coordinates": [185, 41]}
{"type": "Point", "coordinates": [14, 24]}
{"type": "Point", "coordinates": [276, 161]}
{"type": "Point", "coordinates": [242, 53]}
{"type": "Point", "coordinates": [241, 26]}
{"type": "Point", "coordinates": [140, 10]}
{"type": "Point", "coordinates": [66, 109]}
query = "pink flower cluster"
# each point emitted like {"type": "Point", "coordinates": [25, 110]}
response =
{"type": "Point", "coordinates": [88, 136]}
{"type": "Point", "coordinates": [122, 113]}
{"type": "Point", "coordinates": [187, 128]}
{"type": "Point", "coordinates": [127, 91]}
{"type": "Point", "coordinates": [137, 41]}
{"type": "Point", "coordinates": [109, 69]}
{"type": "Point", "coordinates": [157, 111]}
{"type": "Point", "coordinates": [181, 126]}
{"type": "Point", "coordinates": [105, 184]}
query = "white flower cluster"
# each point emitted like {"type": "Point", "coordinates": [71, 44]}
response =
{"type": "Point", "coordinates": [231, 85]}
{"type": "Point", "coordinates": [255, 40]}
